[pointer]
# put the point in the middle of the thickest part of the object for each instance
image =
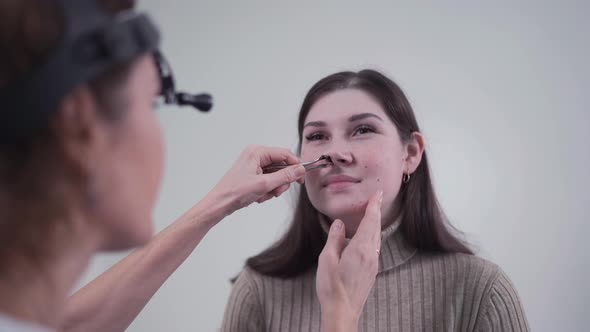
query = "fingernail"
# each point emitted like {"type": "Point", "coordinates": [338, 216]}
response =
{"type": "Point", "coordinates": [337, 224]}
{"type": "Point", "coordinates": [299, 170]}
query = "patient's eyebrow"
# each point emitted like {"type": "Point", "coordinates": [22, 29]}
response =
{"type": "Point", "coordinates": [353, 118]}
{"type": "Point", "coordinates": [315, 124]}
{"type": "Point", "coordinates": [361, 116]}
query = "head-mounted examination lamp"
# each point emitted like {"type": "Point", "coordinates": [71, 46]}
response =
{"type": "Point", "coordinates": [92, 42]}
{"type": "Point", "coordinates": [203, 102]}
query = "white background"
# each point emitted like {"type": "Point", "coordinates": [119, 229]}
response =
{"type": "Point", "coordinates": [499, 89]}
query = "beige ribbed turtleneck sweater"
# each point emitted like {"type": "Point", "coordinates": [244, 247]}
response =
{"type": "Point", "coordinates": [413, 291]}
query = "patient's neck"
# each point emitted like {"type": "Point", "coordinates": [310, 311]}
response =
{"type": "Point", "coordinates": [353, 220]}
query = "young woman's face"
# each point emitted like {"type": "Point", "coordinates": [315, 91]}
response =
{"type": "Point", "coordinates": [352, 128]}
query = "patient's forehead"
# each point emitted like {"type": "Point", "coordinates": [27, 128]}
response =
{"type": "Point", "coordinates": [342, 104]}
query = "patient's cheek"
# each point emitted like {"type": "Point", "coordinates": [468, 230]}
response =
{"type": "Point", "coordinates": [373, 164]}
{"type": "Point", "coordinates": [358, 206]}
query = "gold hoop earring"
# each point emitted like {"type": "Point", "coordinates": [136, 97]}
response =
{"type": "Point", "coordinates": [406, 178]}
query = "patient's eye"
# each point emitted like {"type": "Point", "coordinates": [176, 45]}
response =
{"type": "Point", "coordinates": [363, 129]}
{"type": "Point", "coordinates": [317, 136]}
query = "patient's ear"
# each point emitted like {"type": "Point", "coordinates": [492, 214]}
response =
{"type": "Point", "coordinates": [414, 148]}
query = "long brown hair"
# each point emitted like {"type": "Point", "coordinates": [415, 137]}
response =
{"type": "Point", "coordinates": [423, 223]}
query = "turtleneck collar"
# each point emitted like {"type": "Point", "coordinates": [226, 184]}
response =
{"type": "Point", "coordinates": [395, 251]}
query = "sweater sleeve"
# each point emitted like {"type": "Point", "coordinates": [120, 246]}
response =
{"type": "Point", "coordinates": [502, 310]}
{"type": "Point", "coordinates": [243, 312]}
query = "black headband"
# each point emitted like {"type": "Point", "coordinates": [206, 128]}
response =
{"type": "Point", "coordinates": [92, 42]}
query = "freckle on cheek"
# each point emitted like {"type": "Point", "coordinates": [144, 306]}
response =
{"type": "Point", "coordinates": [378, 180]}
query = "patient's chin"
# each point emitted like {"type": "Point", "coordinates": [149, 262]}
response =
{"type": "Point", "coordinates": [351, 221]}
{"type": "Point", "coordinates": [347, 214]}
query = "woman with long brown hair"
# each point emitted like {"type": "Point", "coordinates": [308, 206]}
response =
{"type": "Point", "coordinates": [427, 279]}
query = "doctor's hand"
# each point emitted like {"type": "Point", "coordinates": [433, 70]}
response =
{"type": "Point", "coordinates": [245, 183]}
{"type": "Point", "coordinates": [346, 275]}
